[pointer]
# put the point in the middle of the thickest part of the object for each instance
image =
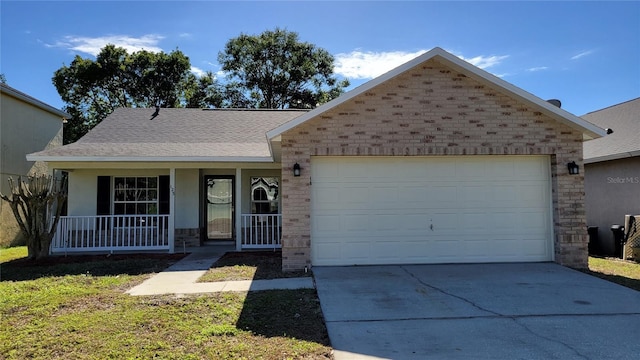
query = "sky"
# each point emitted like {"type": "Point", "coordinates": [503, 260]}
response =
{"type": "Point", "coordinates": [585, 53]}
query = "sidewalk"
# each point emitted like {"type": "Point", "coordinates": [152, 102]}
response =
{"type": "Point", "coordinates": [181, 277]}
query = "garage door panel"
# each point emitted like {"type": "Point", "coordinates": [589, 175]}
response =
{"type": "Point", "coordinates": [354, 223]}
{"type": "Point", "coordinates": [414, 222]}
{"type": "Point", "coordinates": [531, 193]}
{"type": "Point", "coordinates": [441, 195]}
{"type": "Point", "coordinates": [327, 252]}
{"type": "Point", "coordinates": [505, 194]}
{"type": "Point", "coordinates": [384, 194]}
{"type": "Point", "coordinates": [377, 210]}
{"type": "Point", "coordinates": [326, 223]}
{"type": "Point", "coordinates": [533, 221]}
{"type": "Point", "coordinates": [502, 169]}
{"type": "Point", "coordinates": [439, 169]}
{"type": "Point", "coordinates": [353, 196]}
{"type": "Point", "coordinates": [445, 222]}
{"type": "Point", "coordinates": [470, 170]}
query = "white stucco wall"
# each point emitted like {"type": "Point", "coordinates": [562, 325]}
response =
{"type": "Point", "coordinates": [187, 198]}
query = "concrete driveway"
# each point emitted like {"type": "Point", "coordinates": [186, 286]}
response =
{"type": "Point", "coordinates": [487, 311]}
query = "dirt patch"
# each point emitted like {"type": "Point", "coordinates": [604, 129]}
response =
{"type": "Point", "coordinates": [249, 265]}
{"type": "Point", "coordinates": [95, 265]}
{"type": "Point", "coordinates": [79, 259]}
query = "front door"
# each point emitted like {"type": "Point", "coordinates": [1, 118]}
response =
{"type": "Point", "coordinates": [219, 207]}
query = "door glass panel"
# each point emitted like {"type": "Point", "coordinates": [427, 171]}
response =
{"type": "Point", "coordinates": [219, 208]}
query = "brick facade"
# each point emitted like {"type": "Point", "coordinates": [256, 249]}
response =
{"type": "Point", "coordinates": [434, 110]}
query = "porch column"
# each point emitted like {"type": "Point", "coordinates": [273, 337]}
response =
{"type": "Point", "coordinates": [172, 210]}
{"type": "Point", "coordinates": [238, 208]}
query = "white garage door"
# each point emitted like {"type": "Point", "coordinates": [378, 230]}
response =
{"type": "Point", "coordinates": [453, 209]}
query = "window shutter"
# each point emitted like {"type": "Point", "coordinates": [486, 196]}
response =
{"type": "Point", "coordinates": [104, 196]}
{"type": "Point", "coordinates": [163, 194]}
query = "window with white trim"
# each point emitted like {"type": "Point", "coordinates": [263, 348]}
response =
{"type": "Point", "coordinates": [265, 195]}
{"type": "Point", "coordinates": [135, 195]}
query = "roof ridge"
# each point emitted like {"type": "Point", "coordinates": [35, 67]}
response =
{"type": "Point", "coordinates": [610, 106]}
{"type": "Point", "coordinates": [253, 109]}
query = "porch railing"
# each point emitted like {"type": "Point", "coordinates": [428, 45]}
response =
{"type": "Point", "coordinates": [261, 231]}
{"type": "Point", "coordinates": [111, 233]}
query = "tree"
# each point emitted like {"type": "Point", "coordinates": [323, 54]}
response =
{"type": "Point", "coordinates": [276, 70]}
{"type": "Point", "coordinates": [3, 79]}
{"type": "Point", "coordinates": [36, 205]}
{"type": "Point", "coordinates": [92, 89]}
{"type": "Point", "coordinates": [203, 92]}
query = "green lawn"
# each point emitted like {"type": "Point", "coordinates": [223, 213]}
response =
{"type": "Point", "coordinates": [625, 273]}
{"type": "Point", "coordinates": [12, 253]}
{"type": "Point", "coordinates": [78, 310]}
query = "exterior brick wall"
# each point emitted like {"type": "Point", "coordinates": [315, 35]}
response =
{"type": "Point", "coordinates": [434, 110]}
{"type": "Point", "coordinates": [187, 238]}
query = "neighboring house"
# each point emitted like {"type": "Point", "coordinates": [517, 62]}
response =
{"type": "Point", "coordinates": [612, 170]}
{"type": "Point", "coordinates": [436, 161]}
{"type": "Point", "coordinates": [26, 125]}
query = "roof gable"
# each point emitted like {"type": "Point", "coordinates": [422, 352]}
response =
{"type": "Point", "coordinates": [589, 130]}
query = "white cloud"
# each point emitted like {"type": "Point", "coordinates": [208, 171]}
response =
{"type": "Point", "coordinates": [368, 65]}
{"type": "Point", "coordinates": [484, 62]}
{"type": "Point", "coordinates": [537, 68]}
{"type": "Point", "coordinates": [197, 71]}
{"type": "Point", "coordinates": [92, 46]}
{"type": "Point", "coordinates": [582, 54]}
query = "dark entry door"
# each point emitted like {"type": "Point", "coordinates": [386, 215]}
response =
{"type": "Point", "coordinates": [219, 207]}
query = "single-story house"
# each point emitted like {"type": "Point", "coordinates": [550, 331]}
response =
{"type": "Point", "coordinates": [26, 125]}
{"type": "Point", "coordinates": [436, 161]}
{"type": "Point", "coordinates": [612, 170]}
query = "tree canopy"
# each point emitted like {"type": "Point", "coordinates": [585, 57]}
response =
{"type": "Point", "coordinates": [92, 89]}
{"type": "Point", "coordinates": [271, 70]}
{"type": "Point", "coordinates": [276, 70]}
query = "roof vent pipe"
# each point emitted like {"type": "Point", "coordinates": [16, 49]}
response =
{"type": "Point", "coordinates": [555, 102]}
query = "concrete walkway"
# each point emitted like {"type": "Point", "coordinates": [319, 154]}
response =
{"type": "Point", "coordinates": [181, 277]}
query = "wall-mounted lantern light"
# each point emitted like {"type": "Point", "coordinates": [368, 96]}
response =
{"type": "Point", "coordinates": [574, 169]}
{"type": "Point", "coordinates": [296, 169]}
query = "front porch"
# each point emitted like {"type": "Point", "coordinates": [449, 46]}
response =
{"type": "Point", "coordinates": [118, 233]}
{"type": "Point", "coordinates": [168, 209]}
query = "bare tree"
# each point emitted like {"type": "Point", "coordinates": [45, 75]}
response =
{"type": "Point", "coordinates": [36, 205]}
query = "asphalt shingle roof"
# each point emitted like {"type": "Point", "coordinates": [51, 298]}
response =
{"type": "Point", "coordinates": [624, 120]}
{"type": "Point", "coordinates": [176, 134]}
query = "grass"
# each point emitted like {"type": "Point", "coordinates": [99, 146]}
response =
{"type": "Point", "coordinates": [12, 253]}
{"type": "Point", "coordinates": [256, 265]}
{"type": "Point", "coordinates": [77, 309]}
{"type": "Point", "coordinates": [626, 273]}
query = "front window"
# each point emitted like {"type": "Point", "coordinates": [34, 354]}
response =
{"type": "Point", "coordinates": [265, 195]}
{"type": "Point", "coordinates": [135, 195]}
